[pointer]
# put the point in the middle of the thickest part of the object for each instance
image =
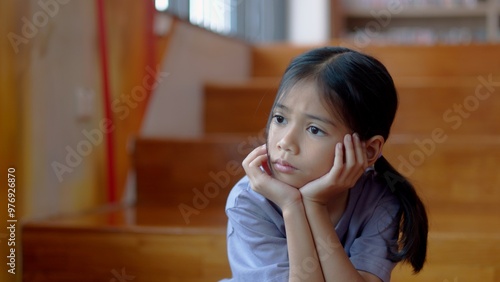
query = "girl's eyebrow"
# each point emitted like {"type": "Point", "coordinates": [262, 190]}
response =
{"type": "Point", "coordinates": [310, 116]}
{"type": "Point", "coordinates": [282, 107]}
{"type": "Point", "coordinates": [321, 119]}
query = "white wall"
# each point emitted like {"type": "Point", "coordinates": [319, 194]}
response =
{"type": "Point", "coordinates": [308, 21]}
{"type": "Point", "coordinates": [195, 56]}
{"type": "Point", "coordinates": [63, 61]}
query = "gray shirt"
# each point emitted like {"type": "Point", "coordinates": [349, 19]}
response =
{"type": "Point", "coordinates": [256, 237]}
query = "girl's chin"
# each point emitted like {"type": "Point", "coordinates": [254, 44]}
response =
{"type": "Point", "coordinates": [292, 181]}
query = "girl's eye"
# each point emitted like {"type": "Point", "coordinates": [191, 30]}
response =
{"type": "Point", "coordinates": [279, 119]}
{"type": "Point", "coordinates": [316, 131]}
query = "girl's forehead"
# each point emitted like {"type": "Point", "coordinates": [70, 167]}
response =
{"type": "Point", "coordinates": [308, 96]}
{"type": "Point", "coordinates": [303, 93]}
{"type": "Point", "coordinates": [304, 99]}
{"type": "Point", "coordinates": [301, 90]}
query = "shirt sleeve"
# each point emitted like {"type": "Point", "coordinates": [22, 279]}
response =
{"type": "Point", "coordinates": [257, 248]}
{"type": "Point", "coordinates": [371, 251]}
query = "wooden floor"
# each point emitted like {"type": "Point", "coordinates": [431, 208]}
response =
{"type": "Point", "coordinates": [157, 245]}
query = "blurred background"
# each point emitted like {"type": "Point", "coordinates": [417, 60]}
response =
{"type": "Point", "coordinates": [123, 124]}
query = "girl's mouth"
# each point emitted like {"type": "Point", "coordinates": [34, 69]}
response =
{"type": "Point", "coordinates": [283, 166]}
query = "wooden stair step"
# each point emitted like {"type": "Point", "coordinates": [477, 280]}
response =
{"type": "Point", "coordinates": [271, 60]}
{"type": "Point", "coordinates": [139, 219]}
{"type": "Point", "coordinates": [424, 104]}
{"type": "Point", "coordinates": [238, 108]}
{"type": "Point", "coordinates": [174, 172]}
{"type": "Point", "coordinates": [455, 169]}
{"type": "Point", "coordinates": [458, 182]}
{"type": "Point", "coordinates": [459, 256]}
{"type": "Point", "coordinates": [151, 244]}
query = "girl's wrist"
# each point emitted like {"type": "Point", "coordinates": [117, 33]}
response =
{"type": "Point", "coordinates": [315, 206]}
{"type": "Point", "coordinates": [291, 209]}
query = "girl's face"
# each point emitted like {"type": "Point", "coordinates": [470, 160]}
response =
{"type": "Point", "coordinates": [302, 136]}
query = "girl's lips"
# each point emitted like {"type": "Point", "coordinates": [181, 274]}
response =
{"type": "Point", "coordinates": [283, 166]}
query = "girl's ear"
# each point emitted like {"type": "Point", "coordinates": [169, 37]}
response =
{"type": "Point", "coordinates": [374, 148]}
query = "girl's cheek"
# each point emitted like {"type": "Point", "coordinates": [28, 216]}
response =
{"type": "Point", "coordinates": [272, 139]}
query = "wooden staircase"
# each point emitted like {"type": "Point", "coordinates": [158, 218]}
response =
{"type": "Point", "coordinates": [176, 230]}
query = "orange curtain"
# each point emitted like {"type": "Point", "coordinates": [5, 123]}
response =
{"type": "Point", "coordinates": [132, 71]}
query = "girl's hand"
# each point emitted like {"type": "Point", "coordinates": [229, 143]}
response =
{"type": "Point", "coordinates": [263, 183]}
{"type": "Point", "coordinates": [342, 175]}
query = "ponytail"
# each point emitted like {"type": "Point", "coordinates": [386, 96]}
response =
{"type": "Point", "coordinates": [413, 225]}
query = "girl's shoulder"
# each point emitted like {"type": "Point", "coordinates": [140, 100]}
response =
{"type": "Point", "coordinates": [242, 194]}
{"type": "Point", "coordinates": [240, 189]}
{"type": "Point", "coordinates": [243, 197]}
{"type": "Point", "coordinates": [374, 189]}
{"type": "Point", "coordinates": [370, 198]}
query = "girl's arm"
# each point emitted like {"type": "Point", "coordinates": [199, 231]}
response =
{"type": "Point", "coordinates": [303, 258]}
{"type": "Point", "coordinates": [335, 263]}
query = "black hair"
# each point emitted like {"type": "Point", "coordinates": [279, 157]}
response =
{"type": "Point", "coordinates": [358, 89]}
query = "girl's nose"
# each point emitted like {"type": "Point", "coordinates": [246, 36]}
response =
{"type": "Point", "coordinates": [289, 142]}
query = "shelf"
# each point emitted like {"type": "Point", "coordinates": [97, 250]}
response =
{"type": "Point", "coordinates": [480, 10]}
{"type": "Point", "coordinates": [379, 20]}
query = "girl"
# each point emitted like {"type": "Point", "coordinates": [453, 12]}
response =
{"type": "Point", "coordinates": [319, 201]}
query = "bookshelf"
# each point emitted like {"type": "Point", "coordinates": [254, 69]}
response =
{"type": "Point", "coordinates": [417, 21]}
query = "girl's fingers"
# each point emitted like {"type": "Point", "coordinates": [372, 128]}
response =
{"type": "Point", "coordinates": [349, 164]}
{"type": "Point", "coordinates": [350, 157]}
{"type": "Point", "coordinates": [347, 173]}
{"type": "Point", "coordinates": [338, 161]}
{"type": "Point", "coordinates": [360, 150]}
{"type": "Point", "coordinates": [257, 169]}
{"type": "Point", "coordinates": [258, 161]}
{"type": "Point", "coordinates": [365, 155]}
{"type": "Point", "coordinates": [253, 162]}
{"type": "Point", "coordinates": [357, 167]}
{"type": "Point", "coordinates": [254, 154]}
